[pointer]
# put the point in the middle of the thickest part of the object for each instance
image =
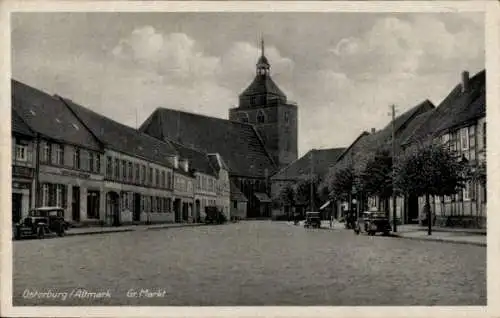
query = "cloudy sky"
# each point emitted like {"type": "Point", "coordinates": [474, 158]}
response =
{"type": "Point", "coordinates": [343, 69]}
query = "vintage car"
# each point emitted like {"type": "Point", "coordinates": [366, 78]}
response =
{"type": "Point", "coordinates": [214, 215]}
{"type": "Point", "coordinates": [41, 222]}
{"type": "Point", "coordinates": [372, 222]}
{"type": "Point", "coordinates": [313, 219]}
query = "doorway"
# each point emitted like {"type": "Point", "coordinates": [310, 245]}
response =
{"type": "Point", "coordinates": [112, 208]}
{"type": "Point", "coordinates": [177, 210]}
{"type": "Point", "coordinates": [412, 209]}
{"type": "Point", "coordinates": [137, 207]}
{"type": "Point", "coordinates": [197, 212]}
{"type": "Point", "coordinates": [75, 204]}
{"type": "Point", "coordinates": [17, 207]}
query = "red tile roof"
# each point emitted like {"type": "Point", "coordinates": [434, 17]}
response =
{"type": "Point", "coordinates": [236, 142]}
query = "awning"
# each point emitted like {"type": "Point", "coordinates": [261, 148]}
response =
{"type": "Point", "coordinates": [327, 203]}
{"type": "Point", "coordinates": [262, 197]}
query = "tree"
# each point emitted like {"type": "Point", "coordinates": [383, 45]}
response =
{"type": "Point", "coordinates": [430, 170]}
{"type": "Point", "coordinates": [341, 182]}
{"type": "Point", "coordinates": [376, 179]}
{"type": "Point", "coordinates": [287, 195]}
{"type": "Point", "coordinates": [303, 191]}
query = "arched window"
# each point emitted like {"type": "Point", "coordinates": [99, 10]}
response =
{"type": "Point", "coordinates": [261, 117]}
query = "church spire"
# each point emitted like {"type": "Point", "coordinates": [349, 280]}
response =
{"type": "Point", "coordinates": [263, 65]}
{"type": "Point", "coordinates": [262, 45]}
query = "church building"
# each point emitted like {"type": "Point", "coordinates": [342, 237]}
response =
{"type": "Point", "coordinates": [259, 138]}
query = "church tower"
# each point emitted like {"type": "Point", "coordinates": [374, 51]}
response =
{"type": "Point", "coordinates": [265, 106]}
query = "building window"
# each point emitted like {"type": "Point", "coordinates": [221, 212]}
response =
{"type": "Point", "coordinates": [137, 173]}
{"type": "Point", "coordinates": [59, 150]}
{"type": "Point", "coordinates": [76, 158]}
{"type": "Point", "coordinates": [169, 180]}
{"type": "Point", "coordinates": [287, 117]}
{"type": "Point", "coordinates": [143, 174]}
{"type": "Point", "coordinates": [21, 152]}
{"type": "Point", "coordinates": [59, 195]}
{"type": "Point", "coordinates": [157, 176]}
{"type": "Point", "coordinates": [46, 152]}
{"type": "Point", "coordinates": [163, 182]}
{"type": "Point", "coordinates": [150, 176]}
{"type": "Point", "coordinates": [45, 194]}
{"type": "Point", "coordinates": [464, 141]}
{"type": "Point", "coordinates": [472, 142]}
{"type": "Point", "coordinates": [130, 172]}
{"type": "Point", "coordinates": [260, 117]}
{"type": "Point", "coordinates": [97, 165]}
{"type": "Point", "coordinates": [109, 167]}
{"type": "Point", "coordinates": [117, 168]}
{"type": "Point", "coordinates": [484, 135]}
{"type": "Point", "coordinates": [124, 170]}
{"type": "Point", "coordinates": [91, 161]}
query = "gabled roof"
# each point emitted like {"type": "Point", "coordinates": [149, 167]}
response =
{"type": "Point", "coordinates": [217, 162]}
{"type": "Point", "coordinates": [48, 116]}
{"type": "Point", "coordinates": [238, 143]}
{"type": "Point", "coordinates": [198, 161]}
{"type": "Point", "coordinates": [365, 146]}
{"type": "Point", "coordinates": [322, 159]}
{"type": "Point", "coordinates": [123, 138]}
{"type": "Point", "coordinates": [235, 193]}
{"type": "Point", "coordinates": [18, 126]}
{"type": "Point", "coordinates": [456, 109]}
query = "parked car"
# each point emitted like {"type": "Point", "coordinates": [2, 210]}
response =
{"type": "Point", "coordinates": [214, 215]}
{"type": "Point", "coordinates": [41, 222]}
{"type": "Point", "coordinates": [313, 219]}
{"type": "Point", "coordinates": [372, 222]}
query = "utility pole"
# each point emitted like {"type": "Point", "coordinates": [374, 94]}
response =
{"type": "Point", "coordinates": [393, 113]}
{"type": "Point", "coordinates": [37, 172]}
{"type": "Point", "coordinates": [311, 200]}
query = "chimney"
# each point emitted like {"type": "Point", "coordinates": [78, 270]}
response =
{"type": "Point", "coordinates": [373, 130]}
{"type": "Point", "coordinates": [465, 81]}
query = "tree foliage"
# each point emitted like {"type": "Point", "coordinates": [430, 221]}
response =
{"type": "Point", "coordinates": [342, 182]}
{"type": "Point", "coordinates": [303, 191]}
{"type": "Point", "coordinates": [287, 195]}
{"type": "Point", "coordinates": [430, 170]}
{"type": "Point", "coordinates": [376, 179]}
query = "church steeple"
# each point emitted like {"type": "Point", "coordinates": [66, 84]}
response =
{"type": "Point", "coordinates": [263, 65]}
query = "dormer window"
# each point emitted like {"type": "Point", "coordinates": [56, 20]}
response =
{"type": "Point", "coordinates": [260, 117]}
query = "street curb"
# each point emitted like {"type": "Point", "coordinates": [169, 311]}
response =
{"type": "Point", "coordinates": [100, 232]}
{"type": "Point", "coordinates": [438, 240]}
{"type": "Point", "coordinates": [172, 227]}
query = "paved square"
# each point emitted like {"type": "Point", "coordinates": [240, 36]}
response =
{"type": "Point", "coordinates": [246, 264]}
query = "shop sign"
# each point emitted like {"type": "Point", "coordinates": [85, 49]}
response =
{"type": "Point", "coordinates": [20, 185]}
{"type": "Point", "coordinates": [75, 174]}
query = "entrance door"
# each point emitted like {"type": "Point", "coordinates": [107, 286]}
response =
{"type": "Point", "coordinates": [197, 212]}
{"type": "Point", "coordinates": [75, 204]}
{"type": "Point", "coordinates": [17, 206]}
{"type": "Point", "coordinates": [137, 207]}
{"type": "Point", "coordinates": [177, 210]}
{"type": "Point", "coordinates": [412, 209]}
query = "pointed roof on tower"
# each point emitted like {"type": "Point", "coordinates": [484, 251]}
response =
{"type": "Point", "coordinates": [263, 83]}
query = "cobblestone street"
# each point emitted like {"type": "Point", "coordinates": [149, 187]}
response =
{"type": "Point", "coordinates": [249, 263]}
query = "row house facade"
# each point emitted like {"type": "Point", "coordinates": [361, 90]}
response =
{"type": "Point", "coordinates": [65, 157]}
{"type": "Point", "coordinates": [22, 167]}
{"type": "Point", "coordinates": [146, 181]}
{"type": "Point", "coordinates": [459, 123]}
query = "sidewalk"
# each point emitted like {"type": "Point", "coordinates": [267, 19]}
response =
{"type": "Point", "coordinates": [126, 228]}
{"type": "Point", "coordinates": [416, 232]}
